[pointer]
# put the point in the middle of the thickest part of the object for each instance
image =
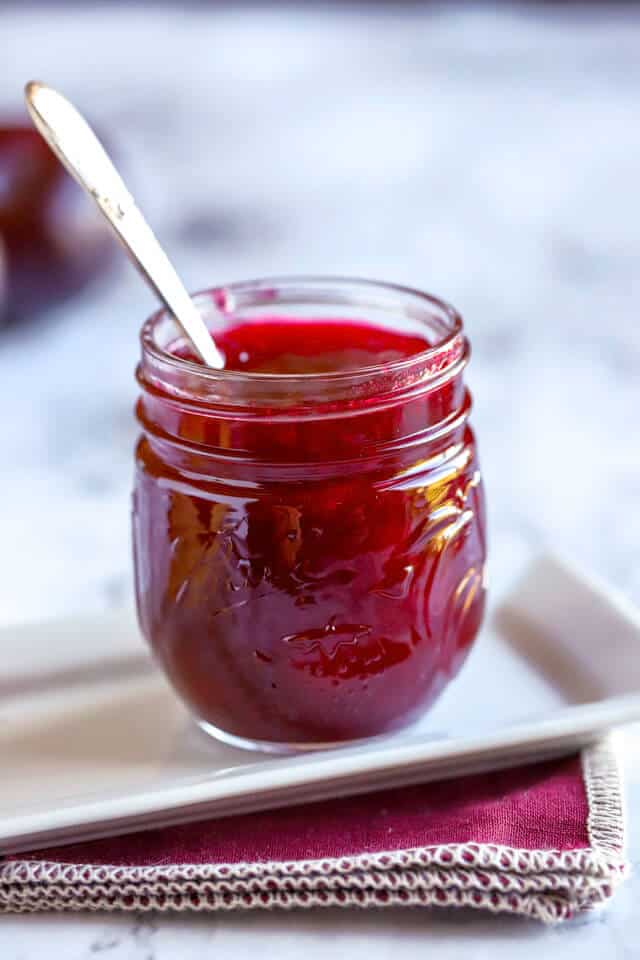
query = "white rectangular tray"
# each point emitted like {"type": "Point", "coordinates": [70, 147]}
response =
{"type": "Point", "coordinates": [93, 743]}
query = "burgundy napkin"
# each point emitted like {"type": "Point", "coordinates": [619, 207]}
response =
{"type": "Point", "coordinates": [544, 841]}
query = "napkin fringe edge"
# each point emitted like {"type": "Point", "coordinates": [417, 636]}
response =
{"type": "Point", "coordinates": [481, 876]}
{"type": "Point", "coordinates": [603, 784]}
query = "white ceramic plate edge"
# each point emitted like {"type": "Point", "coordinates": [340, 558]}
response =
{"type": "Point", "coordinates": [336, 773]}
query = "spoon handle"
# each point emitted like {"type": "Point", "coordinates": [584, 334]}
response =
{"type": "Point", "coordinates": [77, 147]}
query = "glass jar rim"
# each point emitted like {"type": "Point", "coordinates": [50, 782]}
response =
{"type": "Point", "coordinates": [193, 379]}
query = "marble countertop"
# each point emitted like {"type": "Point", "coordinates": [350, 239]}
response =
{"type": "Point", "coordinates": [489, 154]}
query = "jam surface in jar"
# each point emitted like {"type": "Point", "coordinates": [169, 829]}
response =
{"type": "Point", "coordinates": [309, 565]}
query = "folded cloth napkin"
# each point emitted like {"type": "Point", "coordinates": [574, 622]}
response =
{"type": "Point", "coordinates": [543, 841]}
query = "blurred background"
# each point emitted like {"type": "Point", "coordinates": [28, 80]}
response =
{"type": "Point", "coordinates": [487, 153]}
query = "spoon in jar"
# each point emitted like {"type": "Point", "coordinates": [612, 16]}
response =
{"type": "Point", "coordinates": [79, 150]}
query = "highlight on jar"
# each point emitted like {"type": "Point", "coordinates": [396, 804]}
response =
{"type": "Point", "coordinates": [308, 521]}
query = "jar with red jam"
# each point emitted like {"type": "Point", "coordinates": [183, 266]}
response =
{"type": "Point", "coordinates": [309, 523]}
{"type": "Point", "coordinates": [51, 243]}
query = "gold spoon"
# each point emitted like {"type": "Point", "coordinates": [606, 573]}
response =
{"type": "Point", "coordinates": [77, 147]}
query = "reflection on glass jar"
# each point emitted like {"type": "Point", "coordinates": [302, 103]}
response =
{"type": "Point", "coordinates": [309, 528]}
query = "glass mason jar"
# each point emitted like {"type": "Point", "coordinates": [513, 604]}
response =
{"type": "Point", "coordinates": [309, 548]}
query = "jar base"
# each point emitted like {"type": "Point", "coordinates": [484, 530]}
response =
{"type": "Point", "coordinates": [283, 749]}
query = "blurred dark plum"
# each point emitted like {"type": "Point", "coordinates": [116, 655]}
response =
{"type": "Point", "coordinates": [52, 240]}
